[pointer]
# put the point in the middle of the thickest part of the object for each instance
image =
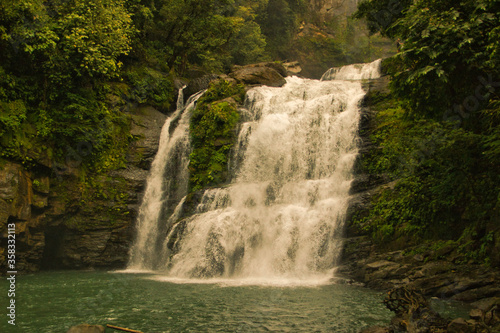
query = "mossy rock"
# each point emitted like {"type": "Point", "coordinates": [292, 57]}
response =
{"type": "Point", "coordinates": [213, 132]}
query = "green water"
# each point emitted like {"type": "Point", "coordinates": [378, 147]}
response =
{"type": "Point", "coordinates": [54, 301]}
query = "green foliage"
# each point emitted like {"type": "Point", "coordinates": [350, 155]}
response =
{"type": "Point", "coordinates": [219, 90]}
{"type": "Point", "coordinates": [92, 35]}
{"type": "Point", "coordinates": [248, 45]}
{"type": "Point", "coordinates": [278, 23]}
{"type": "Point", "coordinates": [55, 57]}
{"type": "Point", "coordinates": [444, 187]}
{"type": "Point", "coordinates": [213, 131]}
{"type": "Point", "coordinates": [188, 32]}
{"type": "Point", "coordinates": [448, 56]}
{"type": "Point", "coordinates": [12, 115]}
{"type": "Point", "coordinates": [151, 87]}
{"type": "Point", "coordinates": [67, 40]}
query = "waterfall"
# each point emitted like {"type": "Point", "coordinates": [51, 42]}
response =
{"type": "Point", "coordinates": [167, 183]}
{"type": "Point", "coordinates": [282, 215]}
{"type": "Point", "coordinates": [354, 72]}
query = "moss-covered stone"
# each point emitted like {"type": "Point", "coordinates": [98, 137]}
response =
{"type": "Point", "coordinates": [213, 132]}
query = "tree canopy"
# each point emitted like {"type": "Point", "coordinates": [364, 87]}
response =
{"type": "Point", "coordinates": [449, 56]}
{"type": "Point", "coordinates": [60, 60]}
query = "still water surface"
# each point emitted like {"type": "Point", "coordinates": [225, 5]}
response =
{"type": "Point", "coordinates": [54, 301]}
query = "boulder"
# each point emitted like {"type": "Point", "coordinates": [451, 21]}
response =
{"type": "Point", "coordinates": [292, 68]}
{"type": "Point", "coordinates": [459, 325]}
{"type": "Point", "coordinates": [279, 67]}
{"type": "Point", "coordinates": [476, 314]}
{"type": "Point", "coordinates": [198, 84]}
{"type": "Point", "coordinates": [85, 328]}
{"type": "Point", "coordinates": [269, 74]}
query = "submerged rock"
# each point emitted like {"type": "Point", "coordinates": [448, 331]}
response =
{"type": "Point", "coordinates": [86, 328]}
{"type": "Point", "coordinates": [377, 329]}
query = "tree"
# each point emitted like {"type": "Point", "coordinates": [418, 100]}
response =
{"type": "Point", "coordinates": [55, 56]}
{"type": "Point", "coordinates": [248, 44]}
{"type": "Point", "coordinates": [449, 54]}
{"type": "Point", "coordinates": [191, 32]}
{"type": "Point", "coordinates": [278, 24]}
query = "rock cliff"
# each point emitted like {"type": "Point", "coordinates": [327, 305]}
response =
{"type": "Point", "coordinates": [58, 227]}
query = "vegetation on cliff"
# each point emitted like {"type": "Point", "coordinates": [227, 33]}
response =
{"type": "Point", "coordinates": [445, 190]}
{"type": "Point", "coordinates": [439, 128]}
{"type": "Point", "coordinates": [213, 132]}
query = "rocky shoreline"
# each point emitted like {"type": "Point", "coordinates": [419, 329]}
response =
{"type": "Point", "coordinates": [441, 278]}
{"type": "Point", "coordinates": [475, 285]}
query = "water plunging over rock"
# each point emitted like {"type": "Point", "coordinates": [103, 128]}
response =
{"type": "Point", "coordinates": [354, 72]}
{"type": "Point", "coordinates": [282, 215]}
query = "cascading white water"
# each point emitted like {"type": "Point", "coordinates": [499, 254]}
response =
{"type": "Point", "coordinates": [282, 215]}
{"type": "Point", "coordinates": [166, 183]}
{"type": "Point", "coordinates": [354, 72]}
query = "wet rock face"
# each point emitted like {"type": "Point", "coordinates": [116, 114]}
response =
{"type": "Point", "coordinates": [17, 215]}
{"type": "Point", "coordinates": [67, 248]}
{"type": "Point", "coordinates": [16, 193]}
{"type": "Point", "coordinates": [147, 123]}
{"type": "Point", "coordinates": [54, 230]}
{"type": "Point", "coordinates": [198, 84]}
